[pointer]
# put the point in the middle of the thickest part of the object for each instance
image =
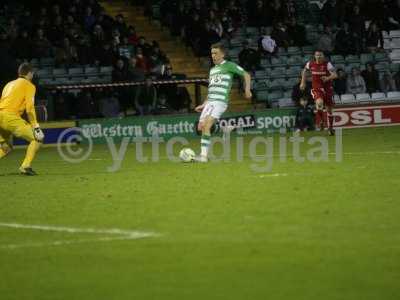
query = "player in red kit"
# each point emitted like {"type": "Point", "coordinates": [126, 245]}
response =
{"type": "Point", "coordinates": [323, 73]}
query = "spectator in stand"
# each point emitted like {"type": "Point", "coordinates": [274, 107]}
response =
{"type": "Point", "coordinates": [227, 25]}
{"type": "Point", "coordinates": [387, 82]}
{"type": "Point", "coordinates": [394, 18]}
{"type": "Point", "coordinates": [374, 38]}
{"type": "Point", "coordinates": [355, 82]}
{"type": "Point", "coordinates": [72, 24]}
{"type": "Point", "coordinates": [329, 13]}
{"type": "Point", "coordinates": [278, 12]}
{"type": "Point", "coordinates": [120, 25]}
{"type": "Point", "coordinates": [371, 78]}
{"type": "Point", "coordinates": [192, 31]}
{"type": "Point", "coordinates": [133, 38]}
{"type": "Point", "coordinates": [397, 79]}
{"type": "Point", "coordinates": [146, 98]}
{"type": "Point", "coordinates": [27, 20]}
{"type": "Point", "coordinates": [109, 105]}
{"type": "Point", "coordinates": [304, 116]}
{"type": "Point", "coordinates": [206, 39]}
{"type": "Point", "coordinates": [134, 73]}
{"type": "Point", "coordinates": [383, 15]}
{"type": "Point", "coordinates": [120, 74]}
{"type": "Point", "coordinates": [344, 41]}
{"type": "Point", "coordinates": [89, 19]}
{"type": "Point", "coordinates": [258, 15]}
{"type": "Point", "coordinates": [84, 50]}
{"type": "Point", "coordinates": [326, 41]}
{"type": "Point", "coordinates": [357, 25]}
{"type": "Point", "coordinates": [98, 37]}
{"type": "Point", "coordinates": [105, 56]}
{"type": "Point", "coordinates": [235, 12]}
{"type": "Point", "coordinates": [215, 24]}
{"type": "Point", "coordinates": [267, 45]}
{"type": "Point", "coordinates": [142, 61]}
{"type": "Point", "coordinates": [298, 94]}
{"type": "Point", "coordinates": [67, 55]}
{"type": "Point", "coordinates": [56, 32]}
{"type": "Point", "coordinates": [175, 98]}
{"type": "Point", "coordinates": [125, 49]}
{"type": "Point", "coordinates": [297, 33]}
{"type": "Point", "coordinates": [146, 47]}
{"type": "Point", "coordinates": [157, 60]}
{"type": "Point", "coordinates": [61, 107]}
{"type": "Point", "coordinates": [22, 46]}
{"type": "Point", "coordinates": [40, 45]}
{"type": "Point", "coordinates": [249, 58]}
{"type": "Point", "coordinates": [340, 84]}
{"type": "Point", "coordinates": [88, 106]}
{"type": "Point", "coordinates": [12, 29]}
{"type": "Point", "coordinates": [280, 35]}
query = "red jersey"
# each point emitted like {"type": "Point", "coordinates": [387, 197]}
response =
{"type": "Point", "coordinates": [317, 71]}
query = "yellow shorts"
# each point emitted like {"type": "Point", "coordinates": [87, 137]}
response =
{"type": "Point", "coordinates": [13, 125]}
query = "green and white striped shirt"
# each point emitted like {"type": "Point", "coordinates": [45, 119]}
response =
{"type": "Point", "coordinates": [220, 80]}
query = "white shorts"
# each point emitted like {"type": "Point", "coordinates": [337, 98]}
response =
{"type": "Point", "coordinates": [215, 109]}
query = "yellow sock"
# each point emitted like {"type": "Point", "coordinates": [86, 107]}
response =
{"type": "Point", "coordinates": [2, 153]}
{"type": "Point", "coordinates": [30, 154]}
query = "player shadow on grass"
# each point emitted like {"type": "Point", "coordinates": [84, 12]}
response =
{"type": "Point", "coordinates": [10, 174]}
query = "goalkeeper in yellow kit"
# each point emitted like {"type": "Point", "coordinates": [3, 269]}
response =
{"type": "Point", "coordinates": [18, 97]}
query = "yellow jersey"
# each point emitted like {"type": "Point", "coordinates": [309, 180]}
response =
{"type": "Point", "coordinates": [17, 97]}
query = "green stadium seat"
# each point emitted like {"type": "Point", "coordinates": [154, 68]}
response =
{"type": "Point", "coordinates": [352, 59]}
{"type": "Point", "coordinates": [340, 66]}
{"type": "Point", "coordinates": [277, 84]}
{"type": "Point", "coordinates": [348, 99]}
{"type": "Point", "coordinates": [252, 31]}
{"type": "Point", "coordinates": [382, 66]}
{"type": "Point", "coordinates": [394, 68]}
{"type": "Point", "coordinates": [59, 72]}
{"type": "Point", "coordinates": [90, 71]}
{"type": "Point", "coordinates": [295, 60]}
{"type": "Point", "coordinates": [260, 74]}
{"type": "Point", "coordinates": [294, 50]}
{"type": "Point", "coordinates": [279, 61]}
{"type": "Point", "coordinates": [262, 95]}
{"type": "Point", "coordinates": [307, 58]}
{"type": "Point", "coordinates": [307, 50]}
{"type": "Point", "coordinates": [76, 71]}
{"type": "Point", "coordinates": [265, 63]}
{"type": "Point", "coordinates": [44, 73]}
{"type": "Point", "coordinates": [349, 67]}
{"type": "Point", "coordinates": [287, 94]}
{"type": "Point", "coordinates": [337, 59]}
{"type": "Point", "coordinates": [378, 57]}
{"type": "Point", "coordinates": [234, 52]}
{"type": "Point", "coordinates": [278, 72]}
{"type": "Point", "coordinates": [261, 85]}
{"type": "Point", "coordinates": [275, 96]}
{"type": "Point", "coordinates": [294, 72]}
{"type": "Point", "coordinates": [366, 57]}
{"type": "Point", "coordinates": [47, 62]}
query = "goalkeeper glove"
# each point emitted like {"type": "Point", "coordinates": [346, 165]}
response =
{"type": "Point", "coordinates": [38, 134]}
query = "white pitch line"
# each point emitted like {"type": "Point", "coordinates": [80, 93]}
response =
{"type": "Point", "coordinates": [71, 242]}
{"type": "Point", "coordinates": [73, 229]}
{"type": "Point", "coordinates": [118, 234]}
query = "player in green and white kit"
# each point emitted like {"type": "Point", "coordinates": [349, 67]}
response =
{"type": "Point", "coordinates": [219, 88]}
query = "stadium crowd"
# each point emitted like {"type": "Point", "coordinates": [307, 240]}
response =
{"type": "Point", "coordinates": [79, 33]}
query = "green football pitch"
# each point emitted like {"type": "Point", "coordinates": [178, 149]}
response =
{"type": "Point", "coordinates": [164, 230]}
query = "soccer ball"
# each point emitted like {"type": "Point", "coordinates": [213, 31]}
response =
{"type": "Point", "coordinates": [187, 155]}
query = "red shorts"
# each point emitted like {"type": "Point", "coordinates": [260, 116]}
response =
{"type": "Point", "coordinates": [324, 94]}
